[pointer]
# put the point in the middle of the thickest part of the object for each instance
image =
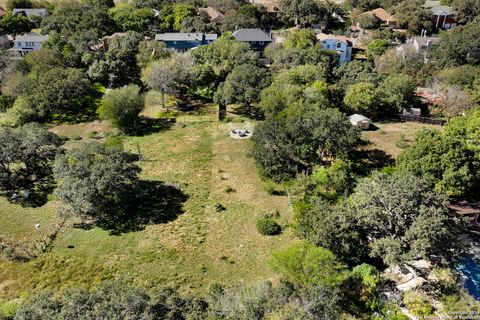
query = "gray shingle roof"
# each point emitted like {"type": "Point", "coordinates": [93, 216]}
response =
{"type": "Point", "coordinates": [32, 12]}
{"type": "Point", "coordinates": [438, 9]}
{"type": "Point", "coordinates": [252, 35]}
{"type": "Point", "coordinates": [31, 37]}
{"type": "Point", "coordinates": [180, 36]}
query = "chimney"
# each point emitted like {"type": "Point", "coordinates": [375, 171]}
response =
{"type": "Point", "coordinates": [429, 45]}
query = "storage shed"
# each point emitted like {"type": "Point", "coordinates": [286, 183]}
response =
{"type": "Point", "coordinates": [360, 121]}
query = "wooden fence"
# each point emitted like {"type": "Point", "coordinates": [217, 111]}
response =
{"type": "Point", "coordinates": [402, 117]}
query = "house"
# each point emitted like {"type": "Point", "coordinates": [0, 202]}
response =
{"type": "Point", "coordinates": [214, 15]}
{"type": "Point", "coordinates": [271, 6]}
{"type": "Point", "coordinates": [340, 44]}
{"type": "Point", "coordinates": [2, 12]}
{"type": "Point", "coordinates": [180, 41]}
{"type": "Point", "coordinates": [41, 13]}
{"type": "Point", "coordinates": [105, 41]}
{"type": "Point", "coordinates": [443, 17]}
{"type": "Point", "coordinates": [4, 41]}
{"type": "Point", "coordinates": [425, 43]}
{"type": "Point", "coordinates": [257, 39]}
{"type": "Point", "coordinates": [26, 43]}
{"type": "Point", "coordinates": [420, 47]}
{"type": "Point", "coordinates": [384, 16]}
{"type": "Point", "coordinates": [360, 121]}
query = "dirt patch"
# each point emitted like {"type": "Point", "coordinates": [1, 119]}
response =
{"type": "Point", "coordinates": [84, 131]}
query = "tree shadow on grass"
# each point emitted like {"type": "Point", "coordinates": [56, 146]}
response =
{"type": "Point", "coordinates": [254, 112]}
{"type": "Point", "coordinates": [145, 126]}
{"type": "Point", "coordinates": [152, 202]}
{"type": "Point", "coordinates": [367, 161]}
{"type": "Point", "coordinates": [31, 194]}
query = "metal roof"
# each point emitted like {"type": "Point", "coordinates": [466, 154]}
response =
{"type": "Point", "coordinates": [246, 35]}
{"type": "Point", "coordinates": [438, 9]}
{"type": "Point", "coordinates": [355, 118]}
{"type": "Point", "coordinates": [31, 37]}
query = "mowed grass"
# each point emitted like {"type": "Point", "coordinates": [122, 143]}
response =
{"type": "Point", "coordinates": [389, 135]}
{"type": "Point", "coordinates": [200, 247]}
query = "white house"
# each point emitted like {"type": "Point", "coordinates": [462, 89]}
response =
{"type": "Point", "coordinates": [339, 44]}
{"type": "Point", "coordinates": [419, 47]}
{"type": "Point", "coordinates": [26, 43]}
{"type": "Point", "coordinates": [360, 121]}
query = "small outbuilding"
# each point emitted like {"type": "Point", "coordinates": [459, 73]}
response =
{"type": "Point", "coordinates": [360, 121]}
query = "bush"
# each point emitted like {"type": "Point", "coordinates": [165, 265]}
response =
{"type": "Point", "coordinates": [268, 227]}
{"type": "Point", "coordinates": [274, 189]}
{"type": "Point", "coordinates": [121, 106]}
{"type": "Point", "coordinates": [8, 309]}
{"type": "Point", "coordinates": [417, 303]}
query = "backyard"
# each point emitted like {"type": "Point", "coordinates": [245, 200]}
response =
{"type": "Point", "coordinates": [195, 247]}
{"type": "Point", "coordinates": [392, 137]}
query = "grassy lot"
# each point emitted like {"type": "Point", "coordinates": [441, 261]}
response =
{"type": "Point", "coordinates": [199, 247]}
{"type": "Point", "coordinates": [392, 137]}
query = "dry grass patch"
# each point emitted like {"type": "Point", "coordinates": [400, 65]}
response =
{"type": "Point", "coordinates": [88, 131]}
{"type": "Point", "coordinates": [201, 246]}
{"type": "Point", "coordinates": [390, 135]}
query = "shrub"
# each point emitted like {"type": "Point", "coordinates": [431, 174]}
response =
{"type": "Point", "coordinates": [274, 189]}
{"type": "Point", "coordinates": [121, 106]}
{"type": "Point", "coordinates": [268, 227]}
{"type": "Point", "coordinates": [8, 309]}
{"type": "Point", "coordinates": [417, 303]}
{"type": "Point", "coordinates": [230, 189]}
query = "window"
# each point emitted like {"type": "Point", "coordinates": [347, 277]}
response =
{"type": "Point", "coordinates": [19, 44]}
{"type": "Point", "coordinates": [261, 43]}
{"type": "Point", "coordinates": [30, 44]}
{"type": "Point", "coordinates": [339, 45]}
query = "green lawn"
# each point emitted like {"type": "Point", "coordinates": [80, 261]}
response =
{"type": "Point", "coordinates": [199, 247]}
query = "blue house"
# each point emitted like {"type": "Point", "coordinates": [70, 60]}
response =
{"type": "Point", "coordinates": [180, 41]}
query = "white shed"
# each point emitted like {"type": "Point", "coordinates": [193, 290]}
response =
{"type": "Point", "coordinates": [360, 121]}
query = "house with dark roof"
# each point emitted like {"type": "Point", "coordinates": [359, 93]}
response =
{"type": "Point", "coordinates": [31, 12]}
{"type": "Point", "coordinates": [181, 41]}
{"type": "Point", "coordinates": [214, 15]}
{"type": "Point", "coordinates": [340, 44]}
{"type": "Point", "coordinates": [26, 43]}
{"type": "Point", "coordinates": [257, 39]}
{"type": "Point", "coordinates": [443, 17]}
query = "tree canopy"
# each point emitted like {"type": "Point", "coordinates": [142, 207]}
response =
{"type": "Point", "coordinates": [94, 181]}
{"type": "Point", "coordinates": [121, 106]}
{"type": "Point", "coordinates": [306, 264]}
{"type": "Point", "coordinates": [243, 86]}
{"type": "Point", "coordinates": [33, 147]}
{"type": "Point", "coordinates": [301, 137]}
{"type": "Point", "coordinates": [404, 219]}
{"type": "Point", "coordinates": [447, 160]}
